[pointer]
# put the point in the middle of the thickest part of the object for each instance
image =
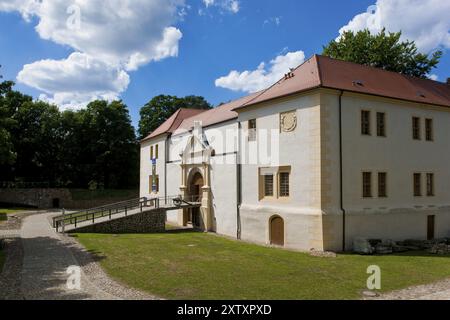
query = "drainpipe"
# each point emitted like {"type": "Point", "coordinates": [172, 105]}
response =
{"type": "Point", "coordinates": [239, 183]}
{"type": "Point", "coordinates": [341, 172]}
{"type": "Point", "coordinates": [166, 156]}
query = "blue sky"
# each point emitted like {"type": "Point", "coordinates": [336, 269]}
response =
{"type": "Point", "coordinates": [208, 39]}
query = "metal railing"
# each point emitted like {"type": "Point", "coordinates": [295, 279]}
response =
{"type": "Point", "coordinates": [172, 202]}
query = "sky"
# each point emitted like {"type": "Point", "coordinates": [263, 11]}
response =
{"type": "Point", "coordinates": [70, 52]}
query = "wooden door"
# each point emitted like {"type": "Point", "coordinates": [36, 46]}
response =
{"type": "Point", "coordinates": [277, 231]}
{"type": "Point", "coordinates": [430, 227]}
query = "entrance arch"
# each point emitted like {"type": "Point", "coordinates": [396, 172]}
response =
{"type": "Point", "coordinates": [196, 183]}
{"type": "Point", "coordinates": [276, 231]}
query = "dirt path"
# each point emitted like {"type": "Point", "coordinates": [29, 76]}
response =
{"type": "Point", "coordinates": [46, 257]}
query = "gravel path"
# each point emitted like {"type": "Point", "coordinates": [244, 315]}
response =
{"type": "Point", "coordinates": [44, 256]}
{"type": "Point", "coordinates": [435, 291]}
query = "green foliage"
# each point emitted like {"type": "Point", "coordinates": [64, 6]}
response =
{"type": "Point", "coordinates": [70, 148]}
{"type": "Point", "coordinates": [383, 50]}
{"type": "Point", "coordinates": [161, 107]}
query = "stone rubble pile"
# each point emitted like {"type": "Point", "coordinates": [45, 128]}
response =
{"type": "Point", "coordinates": [378, 246]}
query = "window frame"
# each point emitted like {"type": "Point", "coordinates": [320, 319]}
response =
{"type": "Point", "coordinates": [363, 123]}
{"type": "Point", "coordinates": [429, 129]}
{"type": "Point", "coordinates": [280, 186]}
{"type": "Point", "coordinates": [416, 129]}
{"type": "Point", "coordinates": [369, 194]}
{"type": "Point", "coordinates": [265, 194]}
{"type": "Point", "coordinates": [430, 184]}
{"type": "Point", "coordinates": [417, 184]}
{"type": "Point", "coordinates": [252, 128]}
{"type": "Point", "coordinates": [381, 129]}
{"type": "Point", "coordinates": [382, 193]}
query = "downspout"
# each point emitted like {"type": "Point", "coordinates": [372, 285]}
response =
{"type": "Point", "coordinates": [239, 183]}
{"type": "Point", "coordinates": [166, 151]}
{"type": "Point", "coordinates": [341, 173]}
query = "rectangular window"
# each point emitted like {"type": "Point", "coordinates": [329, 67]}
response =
{"type": "Point", "coordinates": [417, 184]}
{"type": "Point", "coordinates": [365, 122]}
{"type": "Point", "coordinates": [252, 130]}
{"type": "Point", "coordinates": [367, 184]}
{"type": "Point", "coordinates": [429, 129]}
{"type": "Point", "coordinates": [154, 184]}
{"type": "Point", "coordinates": [382, 184]}
{"type": "Point", "coordinates": [381, 124]}
{"type": "Point", "coordinates": [151, 153]}
{"type": "Point", "coordinates": [416, 128]}
{"type": "Point", "coordinates": [430, 184]}
{"type": "Point", "coordinates": [268, 185]}
{"type": "Point", "coordinates": [284, 184]}
{"type": "Point", "coordinates": [157, 151]}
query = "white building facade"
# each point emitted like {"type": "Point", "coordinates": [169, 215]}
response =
{"type": "Point", "coordinates": [332, 152]}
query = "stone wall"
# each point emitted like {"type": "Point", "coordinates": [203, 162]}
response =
{"type": "Point", "coordinates": [44, 199]}
{"type": "Point", "coordinates": [145, 222]}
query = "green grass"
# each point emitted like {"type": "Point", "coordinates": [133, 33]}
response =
{"type": "Point", "coordinates": [187, 265]}
{"type": "Point", "coordinates": [13, 210]}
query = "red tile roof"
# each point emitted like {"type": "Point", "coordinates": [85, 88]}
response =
{"type": "Point", "coordinates": [320, 71]}
{"type": "Point", "coordinates": [172, 124]}
{"type": "Point", "coordinates": [217, 115]}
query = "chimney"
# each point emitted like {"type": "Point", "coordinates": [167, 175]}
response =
{"type": "Point", "coordinates": [448, 81]}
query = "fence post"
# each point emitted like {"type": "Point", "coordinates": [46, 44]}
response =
{"type": "Point", "coordinates": [64, 220]}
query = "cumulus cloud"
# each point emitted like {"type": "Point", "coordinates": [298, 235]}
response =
{"type": "Point", "coordinates": [424, 21]}
{"type": "Point", "coordinates": [263, 76]}
{"type": "Point", "coordinates": [109, 37]}
{"type": "Point", "coordinates": [77, 78]}
{"type": "Point", "coordinates": [232, 6]}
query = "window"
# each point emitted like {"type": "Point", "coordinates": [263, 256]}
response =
{"type": "Point", "coordinates": [417, 184]}
{"type": "Point", "coordinates": [151, 153]}
{"type": "Point", "coordinates": [430, 184]}
{"type": "Point", "coordinates": [284, 184]}
{"type": "Point", "coordinates": [365, 122]}
{"type": "Point", "coordinates": [381, 124]}
{"type": "Point", "coordinates": [157, 151]}
{"type": "Point", "coordinates": [416, 128]}
{"type": "Point", "coordinates": [252, 130]}
{"type": "Point", "coordinates": [382, 184]}
{"type": "Point", "coordinates": [429, 129]}
{"type": "Point", "coordinates": [154, 184]}
{"type": "Point", "coordinates": [367, 184]}
{"type": "Point", "coordinates": [268, 185]}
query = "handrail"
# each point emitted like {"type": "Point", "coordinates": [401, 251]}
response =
{"type": "Point", "coordinates": [121, 207]}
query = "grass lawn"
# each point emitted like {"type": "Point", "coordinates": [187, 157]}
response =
{"type": "Point", "coordinates": [177, 265]}
{"type": "Point", "coordinates": [13, 210]}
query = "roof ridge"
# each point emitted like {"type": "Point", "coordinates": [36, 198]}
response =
{"type": "Point", "coordinates": [380, 69]}
{"type": "Point", "coordinates": [273, 85]}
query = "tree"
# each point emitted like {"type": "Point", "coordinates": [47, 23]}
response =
{"type": "Point", "coordinates": [7, 153]}
{"type": "Point", "coordinates": [110, 155]}
{"type": "Point", "coordinates": [161, 107]}
{"type": "Point", "coordinates": [384, 51]}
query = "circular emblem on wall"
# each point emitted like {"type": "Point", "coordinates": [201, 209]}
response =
{"type": "Point", "coordinates": [288, 121]}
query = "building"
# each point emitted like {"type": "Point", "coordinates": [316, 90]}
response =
{"type": "Point", "coordinates": [352, 151]}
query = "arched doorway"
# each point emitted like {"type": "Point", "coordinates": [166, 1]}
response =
{"type": "Point", "coordinates": [277, 231]}
{"type": "Point", "coordinates": [195, 194]}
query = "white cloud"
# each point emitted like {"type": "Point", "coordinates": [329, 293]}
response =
{"type": "Point", "coordinates": [433, 77]}
{"type": "Point", "coordinates": [261, 78]}
{"type": "Point", "coordinates": [111, 37]}
{"type": "Point", "coordinates": [76, 80]}
{"type": "Point", "coordinates": [274, 20]}
{"type": "Point", "coordinates": [424, 21]}
{"type": "Point", "coordinates": [232, 6]}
